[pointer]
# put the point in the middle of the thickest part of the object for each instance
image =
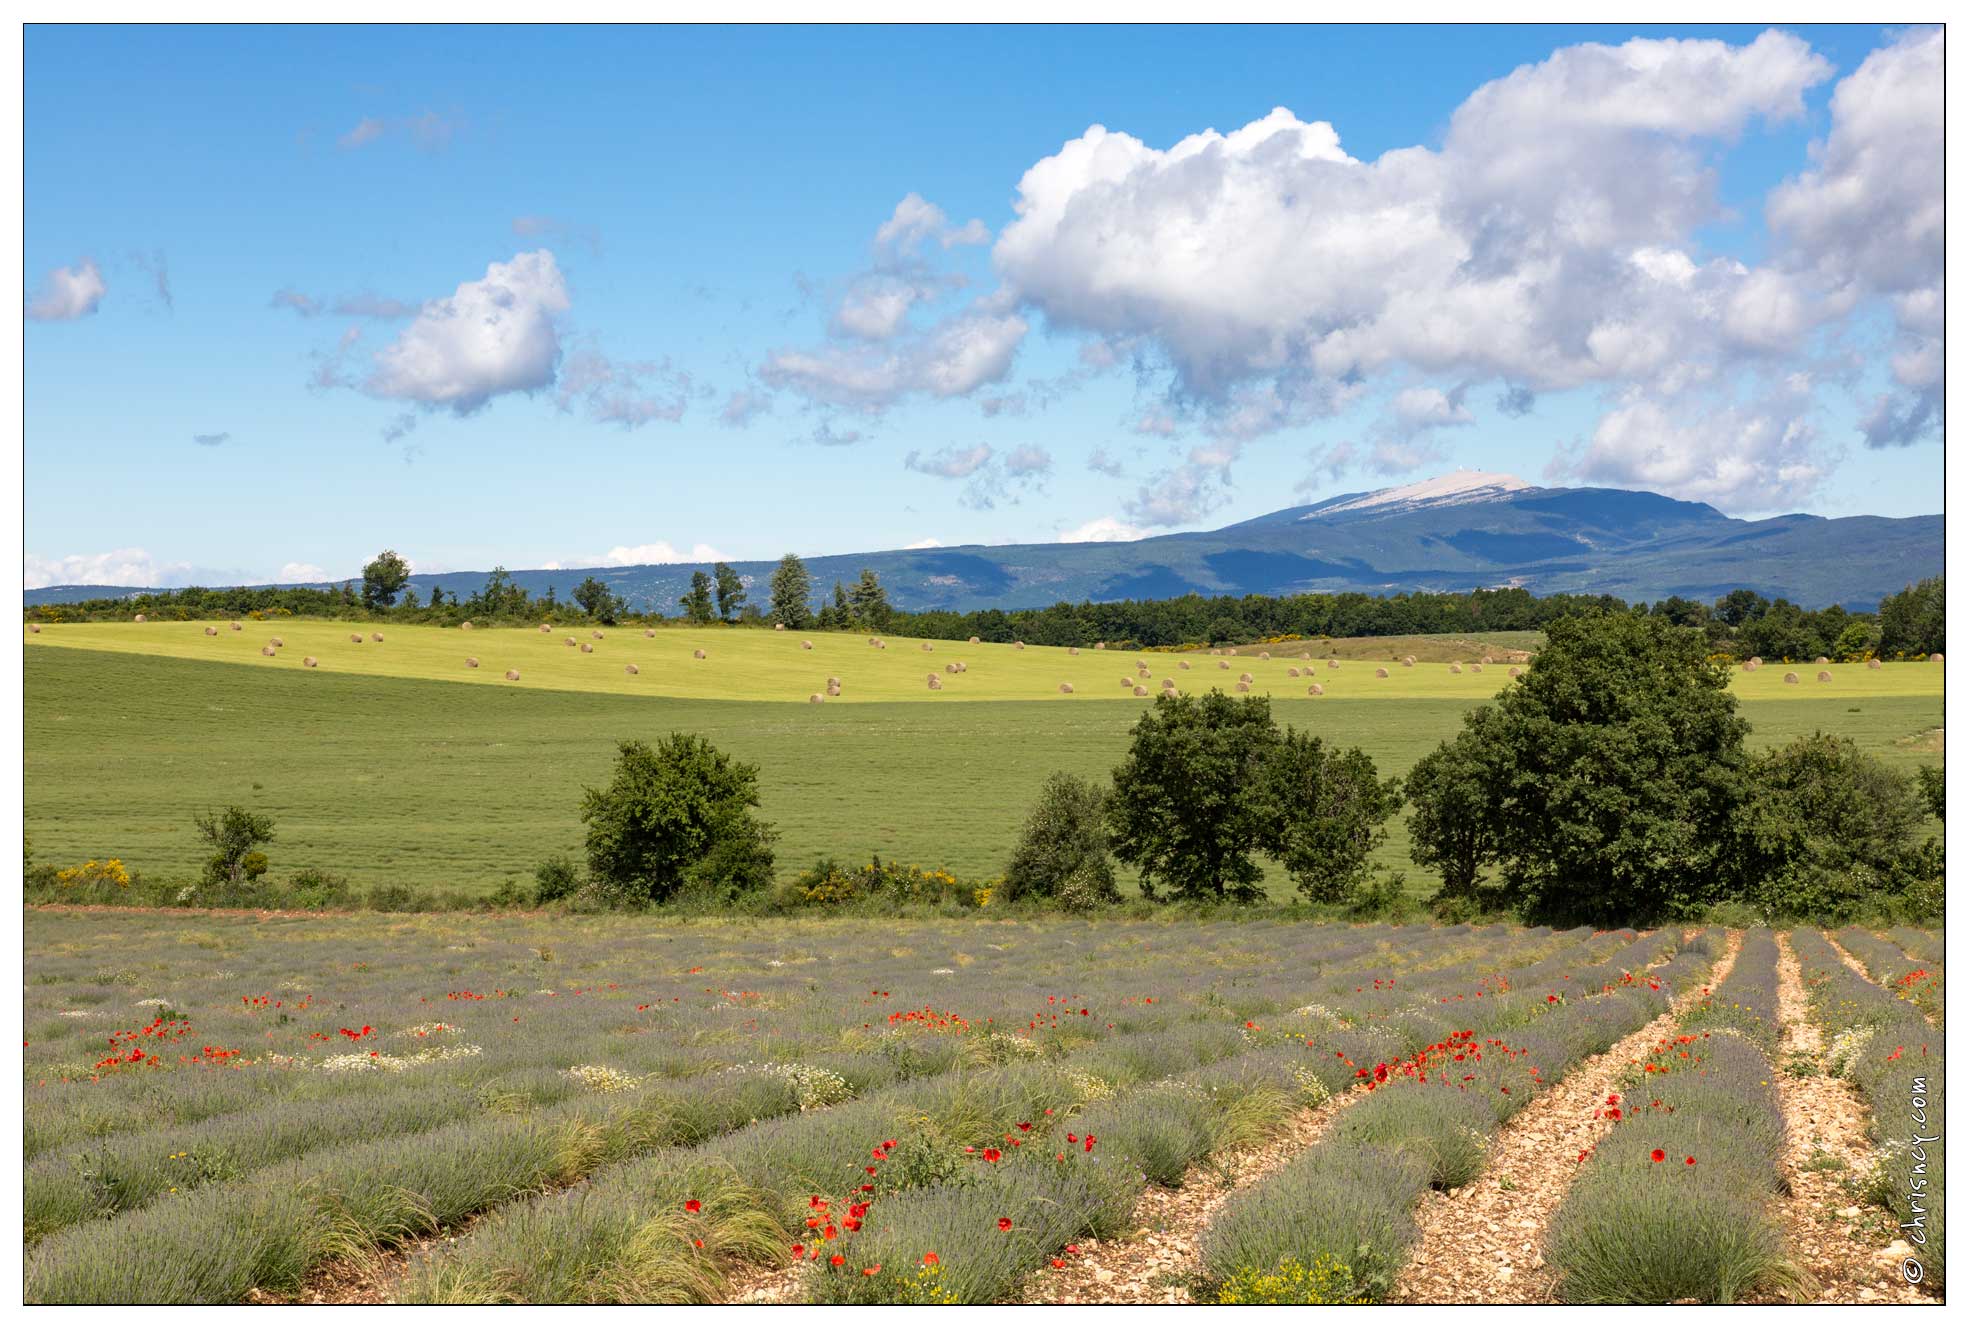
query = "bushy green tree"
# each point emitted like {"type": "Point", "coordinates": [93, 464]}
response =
{"type": "Point", "coordinates": [731, 590]}
{"type": "Point", "coordinates": [1824, 827]}
{"type": "Point", "coordinates": [235, 836]}
{"type": "Point", "coordinates": [697, 600]}
{"type": "Point", "coordinates": [1062, 854]}
{"type": "Point", "coordinates": [668, 811]}
{"type": "Point", "coordinates": [1327, 807]}
{"type": "Point", "coordinates": [1617, 766]}
{"type": "Point", "coordinates": [792, 593]}
{"type": "Point", "coordinates": [382, 577]}
{"type": "Point", "coordinates": [1189, 807]}
{"type": "Point", "coordinates": [1912, 620]}
{"type": "Point", "coordinates": [1452, 825]}
{"type": "Point", "coordinates": [1934, 790]}
{"type": "Point", "coordinates": [598, 601]}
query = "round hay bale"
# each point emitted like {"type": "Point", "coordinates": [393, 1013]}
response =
{"type": "Point", "coordinates": [950, 668]}
{"type": "Point", "coordinates": [834, 691]}
{"type": "Point", "coordinates": [1073, 650]}
{"type": "Point", "coordinates": [1757, 662]}
{"type": "Point", "coordinates": [1514, 671]}
{"type": "Point", "coordinates": [1791, 678]}
{"type": "Point", "coordinates": [927, 646]}
{"type": "Point", "coordinates": [630, 669]}
{"type": "Point", "coordinates": [1936, 658]}
{"type": "Point", "coordinates": [309, 661]}
{"type": "Point", "coordinates": [649, 632]}
{"type": "Point", "coordinates": [236, 626]}
{"type": "Point", "coordinates": [210, 632]}
{"type": "Point", "coordinates": [1486, 660]}
{"type": "Point", "coordinates": [1332, 664]}
{"type": "Point", "coordinates": [271, 641]}
{"type": "Point", "coordinates": [1825, 675]}
{"type": "Point", "coordinates": [933, 678]}
{"type": "Point", "coordinates": [512, 675]}
{"type": "Point", "coordinates": [1476, 669]}
{"type": "Point", "coordinates": [871, 641]}
{"type": "Point", "coordinates": [1380, 673]}
{"type": "Point", "coordinates": [1409, 660]}
{"type": "Point", "coordinates": [1182, 664]}
{"type": "Point", "coordinates": [1066, 687]}
{"type": "Point", "coordinates": [471, 662]}
{"type": "Point", "coordinates": [1315, 691]}
{"type": "Point", "coordinates": [1243, 686]}
{"type": "Point", "coordinates": [834, 682]}
{"type": "Point", "coordinates": [1873, 664]}
{"type": "Point", "coordinates": [1292, 673]}
{"type": "Point", "coordinates": [1141, 691]}
{"type": "Point", "coordinates": [1244, 678]}
{"type": "Point", "coordinates": [1821, 661]}
{"type": "Point", "coordinates": [546, 627]}
{"type": "Point", "coordinates": [1018, 646]}
{"type": "Point", "coordinates": [814, 697]}
{"type": "Point", "coordinates": [264, 650]}
{"type": "Point", "coordinates": [1127, 682]}
{"type": "Point", "coordinates": [598, 634]}
{"type": "Point", "coordinates": [587, 648]}
{"type": "Point", "coordinates": [1215, 651]}
{"type": "Point", "coordinates": [936, 684]}
{"type": "Point", "coordinates": [569, 641]}
{"type": "Point", "coordinates": [1746, 666]}
{"type": "Point", "coordinates": [962, 667]}
{"type": "Point", "coordinates": [466, 625]}
{"type": "Point", "coordinates": [375, 636]}
{"type": "Point", "coordinates": [1456, 669]}
{"type": "Point", "coordinates": [355, 638]}
{"type": "Point", "coordinates": [698, 654]}
{"type": "Point", "coordinates": [1100, 646]}
{"type": "Point", "coordinates": [1169, 684]}
{"type": "Point", "coordinates": [806, 646]}
{"type": "Point", "coordinates": [140, 618]}
{"type": "Point", "coordinates": [34, 629]}
{"type": "Point", "coordinates": [1305, 655]}
{"type": "Point", "coordinates": [779, 627]}
{"type": "Point", "coordinates": [1223, 664]}
{"type": "Point", "coordinates": [1141, 671]}
{"type": "Point", "coordinates": [972, 640]}
{"type": "Point", "coordinates": [1264, 655]}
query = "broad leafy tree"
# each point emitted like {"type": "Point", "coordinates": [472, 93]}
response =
{"type": "Point", "coordinates": [598, 601]}
{"type": "Point", "coordinates": [668, 809]}
{"type": "Point", "coordinates": [1327, 807]}
{"type": "Point", "coordinates": [382, 577]}
{"type": "Point", "coordinates": [697, 600]}
{"type": "Point", "coordinates": [731, 591]}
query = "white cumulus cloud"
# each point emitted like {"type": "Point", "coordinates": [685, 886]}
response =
{"type": "Point", "coordinates": [68, 293]}
{"type": "Point", "coordinates": [495, 335]}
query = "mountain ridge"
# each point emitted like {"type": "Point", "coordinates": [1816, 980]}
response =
{"type": "Point", "coordinates": [1457, 532]}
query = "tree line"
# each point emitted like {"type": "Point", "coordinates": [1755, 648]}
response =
{"type": "Point", "coordinates": [1743, 623]}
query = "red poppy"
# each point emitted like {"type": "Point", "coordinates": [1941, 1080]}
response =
{"type": "Point", "coordinates": [888, 1144]}
{"type": "Point", "coordinates": [799, 1249]}
{"type": "Point", "coordinates": [1690, 1161]}
{"type": "Point", "coordinates": [992, 1155]}
{"type": "Point", "coordinates": [1072, 1249]}
{"type": "Point", "coordinates": [837, 1260]}
{"type": "Point", "coordinates": [929, 1257]}
{"type": "Point", "coordinates": [1090, 1144]}
{"type": "Point", "coordinates": [692, 1206]}
{"type": "Point", "coordinates": [1657, 1155]}
{"type": "Point", "coordinates": [1059, 1264]}
{"type": "Point", "coordinates": [698, 1242]}
{"type": "Point", "coordinates": [871, 1271]}
{"type": "Point", "coordinates": [1004, 1225]}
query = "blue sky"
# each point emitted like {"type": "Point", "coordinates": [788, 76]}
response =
{"type": "Point", "coordinates": [585, 295]}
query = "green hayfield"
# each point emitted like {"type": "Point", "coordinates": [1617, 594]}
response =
{"type": "Point", "coordinates": [440, 778]}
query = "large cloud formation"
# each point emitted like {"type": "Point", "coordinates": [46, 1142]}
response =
{"type": "Point", "coordinates": [491, 336]}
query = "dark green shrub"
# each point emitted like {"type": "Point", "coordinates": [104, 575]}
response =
{"type": "Point", "coordinates": [312, 888]}
{"type": "Point", "coordinates": [666, 809]}
{"type": "Point", "coordinates": [555, 879]}
{"type": "Point", "coordinates": [1064, 847]}
{"type": "Point", "coordinates": [235, 836]}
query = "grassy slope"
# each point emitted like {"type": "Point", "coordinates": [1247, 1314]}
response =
{"type": "Point", "coordinates": [433, 784]}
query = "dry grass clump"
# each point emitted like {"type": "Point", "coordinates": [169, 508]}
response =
{"type": "Point", "coordinates": [1381, 673]}
{"type": "Point", "coordinates": [1243, 686]}
{"type": "Point", "coordinates": [1791, 678]}
{"type": "Point", "coordinates": [587, 648]}
{"type": "Point", "coordinates": [309, 661]}
{"type": "Point", "coordinates": [264, 650]}
{"type": "Point", "coordinates": [630, 669]}
{"type": "Point", "coordinates": [1825, 675]}
{"type": "Point", "coordinates": [210, 632]}
{"type": "Point", "coordinates": [698, 654]}
{"type": "Point", "coordinates": [355, 638]}
{"type": "Point", "coordinates": [512, 675]}
{"type": "Point", "coordinates": [471, 662]}
{"type": "Point", "coordinates": [1141, 691]}
{"type": "Point", "coordinates": [1066, 687]}
{"type": "Point", "coordinates": [1873, 664]}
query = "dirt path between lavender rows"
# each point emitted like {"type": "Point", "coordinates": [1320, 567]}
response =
{"type": "Point", "coordinates": [1853, 963]}
{"type": "Point", "coordinates": [1850, 1247]}
{"type": "Point", "coordinates": [1482, 1243]}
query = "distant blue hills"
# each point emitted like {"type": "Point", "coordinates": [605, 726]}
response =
{"type": "Point", "coordinates": [1456, 532]}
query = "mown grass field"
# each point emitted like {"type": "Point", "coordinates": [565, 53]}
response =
{"type": "Point", "coordinates": [391, 763]}
{"type": "Point", "coordinates": [225, 1108]}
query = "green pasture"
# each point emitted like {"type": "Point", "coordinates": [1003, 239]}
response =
{"type": "Point", "coordinates": [389, 766]}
